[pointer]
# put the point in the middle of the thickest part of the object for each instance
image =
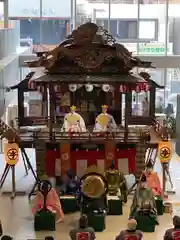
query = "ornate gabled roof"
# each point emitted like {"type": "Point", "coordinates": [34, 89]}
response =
{"type": "Point", "coordinates": [89, 49]}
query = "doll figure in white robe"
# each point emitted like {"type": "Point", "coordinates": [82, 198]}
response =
{"type": "Point", "coordinates": [105, 122]}
{"type": "Point", "coordinates": [73, 122]}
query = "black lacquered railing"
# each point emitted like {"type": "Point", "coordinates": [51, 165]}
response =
{"type": "Point", "coordinates": [57, 136]}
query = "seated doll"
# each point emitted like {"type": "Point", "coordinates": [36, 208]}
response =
{"type": "Point", "coordinates": [73, 123]}
{"type": "Point", "coordinates": [153, 181]}
{"type": "Point", "coordinates": [105, 122]}
{"type": "Point", "coordinates": [71, 183]}
{"type": "Point", "coordinates": [52, 202]}
{"type": "Point", "coordinates": [143, 200]}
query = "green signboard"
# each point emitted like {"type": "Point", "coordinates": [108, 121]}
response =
{"type": "Point", "coordinates": [153, 50]}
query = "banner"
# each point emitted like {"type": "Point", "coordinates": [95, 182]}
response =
{"type": "Point", "coordinates": [65, 158]}
{"type": "Point", "coordinates": [109, 153]}
{"type": "Point", "coordinates": [11, 153]}
{"type": "Point", "coordinates": [165, 151]}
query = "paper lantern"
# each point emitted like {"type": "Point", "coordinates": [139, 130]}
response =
{"type": "Point", "coordinates": [31, 84]}
{"type": "Point", "coordinates": [72, 87]}
{"type": "Point", "coordinates": [105, 87]}
{"type": "Point", "coordinates": [145, 87]}
{"type": "Point", "coordinates": [57, 88]}
{"type": "Point", "coordinates": [138, 88]}
{"type": "Point", "coordinates": [89, 87]}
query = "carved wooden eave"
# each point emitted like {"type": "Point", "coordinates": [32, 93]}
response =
{"type": "Point", "coordinates": [89, 49]}
{"type": "Point", "coordinates": [44, 78]}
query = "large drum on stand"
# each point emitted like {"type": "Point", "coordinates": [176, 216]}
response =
{"type": "Point", "coordinates": [94, 190]}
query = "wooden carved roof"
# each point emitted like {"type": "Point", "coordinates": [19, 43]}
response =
{"type": "Point", "coordinates": [88, 50]}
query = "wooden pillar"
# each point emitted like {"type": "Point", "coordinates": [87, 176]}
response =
{"type": "Point", "coordinates": [20, 106]}
{"type": "Point", "coordinates": [152, 101]}
{"type": "Point", "coordinates": [118, 103]}
{"type": "Point", "coordinates": [109, 153]}
{"type": "Point", "coordinates": [128, 112]}
{"type": "Point", "coordinates": [40, 148]}
{"type": "Point", "coordinates": [49, 89]}
{"type": "Point", "coordinates": [65, 153]}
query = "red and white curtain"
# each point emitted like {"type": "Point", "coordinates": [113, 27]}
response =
{"type": "Point", "coordinates": [33, 86]}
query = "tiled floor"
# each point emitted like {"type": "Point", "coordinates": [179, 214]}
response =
{"type": "Point", "coordinates": [17, 219]}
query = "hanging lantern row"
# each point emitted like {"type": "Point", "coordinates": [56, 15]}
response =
{"type": "Point", "coordinates": [89, 87]}
{"type": "Point", "coordinates": [140, 87]}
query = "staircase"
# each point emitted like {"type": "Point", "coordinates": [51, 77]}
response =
{"type": "Point", "coordinates": [140, 159]}
{"type": "Point", "coordinates": [151, 154]}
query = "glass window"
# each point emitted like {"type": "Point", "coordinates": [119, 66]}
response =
{"type": "Point", "coordinates": [173, 87]}
{"type": "Point", "coordinates": [140, 104]}
{"type": "Point", "coordinates": [1, 15]}
{"type": "Point", "coordinates": [143, 26]}
{"type": "Point", "coordinates": [127, 29]}
{"type": "Point", "coordinates": [158, 76]}
{"type": "Point", "coordinates": [152, 28]}
{"type": "Point", "coordinates": [126, 15]}
{"type": "Point", "coordinates": [174, 27]}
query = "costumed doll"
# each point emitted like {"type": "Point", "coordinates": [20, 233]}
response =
{"type": "Point", "coordinates": [105, 122]}
{"type": "Point", "coordinates": [71, 183]}
{"type": "Point", "coordinates": [117, 184]}
{"type": "Point", "coordinates": [73, 122]}
{"type": "Point", "coordinates": [153, 180]}
{"type": "Point", "coordinates": [53, 203]}
{"type": "Point", "coordinates": [143, 200]}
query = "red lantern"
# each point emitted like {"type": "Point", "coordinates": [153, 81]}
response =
{"type": "Point", "coordinates": [146, 87]}
{"type": "Point", "coordinates": [31, 84]}
{"type": "Point", "coordinates": [123, 88]}
{"type": "Point", "coordinates": [138, 88]}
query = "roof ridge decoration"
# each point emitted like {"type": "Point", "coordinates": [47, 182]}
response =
{"type": "Point", "coordinates": [89, 49]}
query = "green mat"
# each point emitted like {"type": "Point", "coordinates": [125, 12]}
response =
{"type": "Point", "coordinates": [45, 221]}
{"type": "Point", "coordinates": [97, 221]}
{"type": "Point", "coordinates": [115, 207]}
{"type": "Point", "coordinates": [69, 204]}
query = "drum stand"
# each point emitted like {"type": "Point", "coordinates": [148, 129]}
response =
{"type": "Point", "coordinates": [27, 165]}
{"type": "Point", "coordinates": [33, 191]}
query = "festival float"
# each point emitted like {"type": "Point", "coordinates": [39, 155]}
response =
{"type": "Point", "coordinates": [87, 113]}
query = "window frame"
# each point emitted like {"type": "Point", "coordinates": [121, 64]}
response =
{"type": "Point", "coordinates": [136, 40]}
